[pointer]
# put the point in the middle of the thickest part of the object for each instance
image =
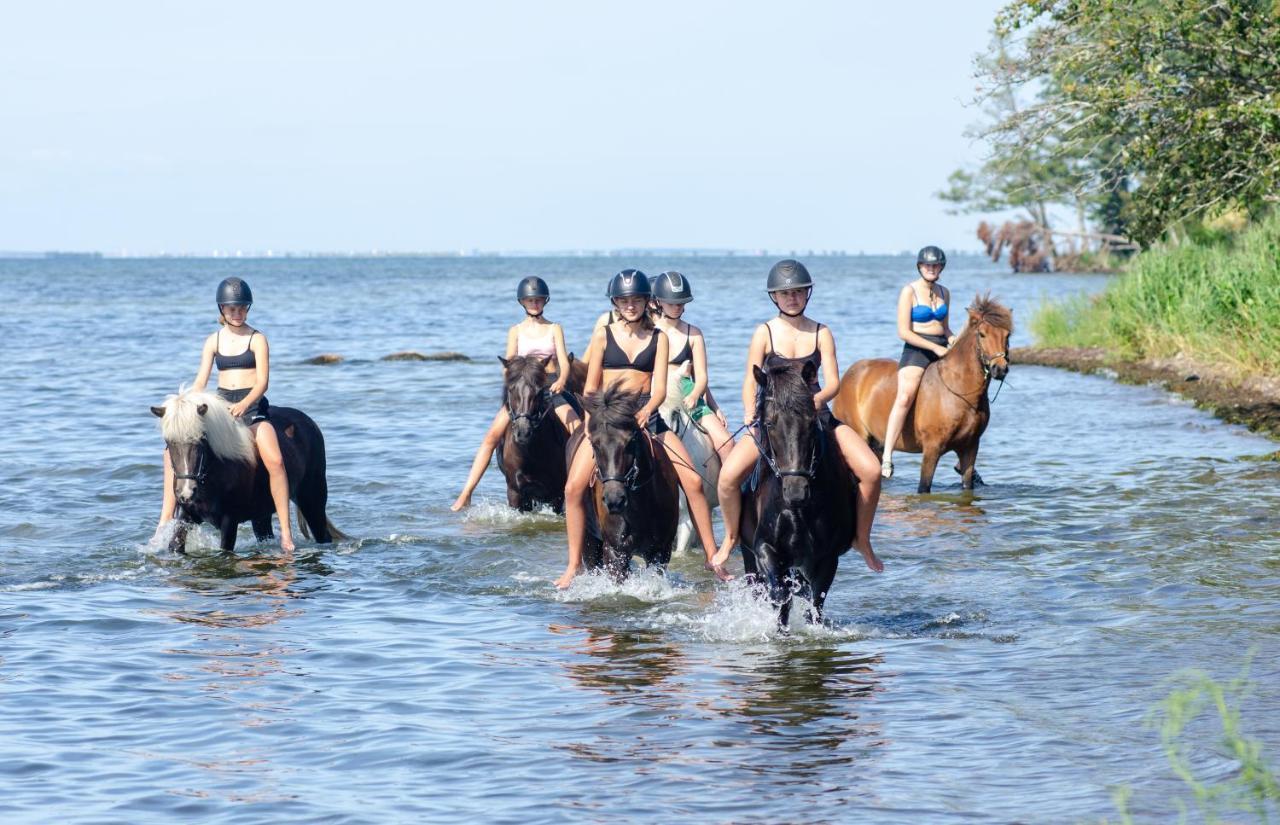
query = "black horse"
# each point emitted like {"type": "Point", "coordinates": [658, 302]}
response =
{"type": "Point", "coordinates": [531, 453]}
{"type": "Point", "coordinates": [219, 480]}
{"type": "Point", "coordinates": [799, 519]}
{"type": "Point", "coordinates": [634, 504]}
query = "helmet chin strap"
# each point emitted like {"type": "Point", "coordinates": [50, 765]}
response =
{"type": "Point", "coordinates": [782, 311]}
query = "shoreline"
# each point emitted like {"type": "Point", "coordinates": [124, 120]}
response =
{"type": "Point", "coordinates": [1253, 401]}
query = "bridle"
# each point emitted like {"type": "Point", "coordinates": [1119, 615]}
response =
{"type": "Point", "coordinates": [985, 361]}
{"type": "Point", "coordinates": [534, 418]}
{"type": "Point", "coordinates": [765, 447]}
{"type": "Point", "coordinates": [630, 479]}
{"type": "Point", "coordinates": [201, 475]}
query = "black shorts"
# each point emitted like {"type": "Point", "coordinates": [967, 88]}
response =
{"type": "Point", "coordinates": [657, 425]}
{"type": "Point", "coordinates": [260, 410]}
{"type": "Point", "coordinates": [564, 398]}
{"type": "Point", "coordinates": [913, 356]}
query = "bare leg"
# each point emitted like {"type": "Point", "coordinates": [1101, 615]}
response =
{"type": "Point", "coordinates": [269, 450]}
{"type": "Point", "coordinates": [720, 437]}
{"type": "Point", "coordinates": [170, 503]}
{"type": "Point", "coordinates": [908, 385]}
{"type": "Point", "coordinates": [568, 418]}
{"type": "Point", "coordinates": [481, 462]}
{"type": "Point", "coordinates": [575, 513]}
{"type": "Point", "coordinates": [866, 470]}
{"type": "Point", "coordinates": [691, 482]}
{"type": "Point", "coordinates": [732, 473]}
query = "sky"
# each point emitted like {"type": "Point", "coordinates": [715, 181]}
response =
{"type": "Point", "coordinates": [162, 127]}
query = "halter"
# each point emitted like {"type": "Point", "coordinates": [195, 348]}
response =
{"type": "Point", "coordinates": [201, 474]}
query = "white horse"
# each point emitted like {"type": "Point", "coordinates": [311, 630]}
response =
{"type": "Point", "coordinates": [705, 459]}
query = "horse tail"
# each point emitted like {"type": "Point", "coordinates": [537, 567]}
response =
{"type": "Point", "coordinates": [309, 534]}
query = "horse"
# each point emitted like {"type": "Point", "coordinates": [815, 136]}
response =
{"type": "Point", "coordinates": [703, 452]}
{"type": "Point", "coordinates": [951, 410]}
{"type": "Point", "coordinates": [218, 478]}
{"type": "Point", "coordinates": [799, 518]}
{"type": "Point", "coordinates": [532, 451]}
{"type": "Point", "coordinates": [633, 504]}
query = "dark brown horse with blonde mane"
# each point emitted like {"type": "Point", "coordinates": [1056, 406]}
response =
{"type": "Point", "coordinates": [951, 410]}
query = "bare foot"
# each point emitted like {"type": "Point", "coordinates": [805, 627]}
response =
{"type": "Point", "coordinates": [566, 577]}
{"type": "Point", "coordinates": [463, 500]}
{"type": "Point", "coordinates": [721, 574]}
{"type": "Point", "coordinates": [722, 555]}
{"type": "Point", "coordinates": [886, 469]}
{"type": "Point", "coordinates": [286, 543]}
{"type": "Point", "coordinates": [870, 557]}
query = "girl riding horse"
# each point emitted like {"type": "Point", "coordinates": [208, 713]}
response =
{"type": "Point", "coordinates": [628, 354]}
{"type": "Point", "coordinates": [538, 337]}
{"type": "Point", "coordinates": [242, 384]}
{"type": "Point", "coordinates": [792, 338]}
{"type": "Point", "coordinates": [923, 325]}
{"type": "Point", "coordinates": [671, 292]}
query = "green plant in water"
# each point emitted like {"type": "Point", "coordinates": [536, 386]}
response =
{"type": "Point", "coordinates": [1252, 787]}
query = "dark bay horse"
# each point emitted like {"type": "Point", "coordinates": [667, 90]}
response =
{"type": "Point", "coordinates": [951, 410]}
{"type": "Point", "coordinates": [218, 478]}
{"type": "Point", "coordinates": [634, 504]}
{"type": "Point", "coordinates": [532, 452]}
{"type": "Point", "coordinates": [799, 519]}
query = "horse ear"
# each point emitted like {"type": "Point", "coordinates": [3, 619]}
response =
{"type": "Point", "coordinates": [202, 409]}
{"type": "Point", "coordinates": [809, 372]}
{"type": "Point", "coordinates": [546, 359]}
{"type": "Point", "coordinates": [572, 358]}
{"type": "Point", "coordinates": [503, 360]}
{"type": "Point", "coordinates": [158, 412]}
{"type": "Point", "coordinates": [761, 378]}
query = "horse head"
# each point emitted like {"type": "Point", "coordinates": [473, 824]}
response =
{"type": "Point", "coordinates": [197, 428]}
{"type": "Point", "coordinates": [993, 324]}
{"type": "Point", "coordinates": [789, 440]}
{"type": "Point", "coordinates": [524, 395]}
{"type": "Point", "coordinates": [617, 441]}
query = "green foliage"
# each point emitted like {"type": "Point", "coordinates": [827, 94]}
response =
{"type": "Point", "coordinates": [1182, 95]}
{"type": "Point", "coordinates": [1216, 301]}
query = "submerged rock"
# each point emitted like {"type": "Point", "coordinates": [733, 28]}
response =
{"type": "Point", "coordinates": [411, 355]}
{"type": "Point", "coordinates": [325, 358]}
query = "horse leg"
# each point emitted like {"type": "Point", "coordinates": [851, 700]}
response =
{"type": "Point", "coordinates": [928, 465]}
{"type": "Point", "coordinates": [178, 544]}
{"type": "Point", "coordinates": [820, 582]}
{"type": "Point", "coordinates": [262, 526]}
{"type": "Point", "coordinates": [775, 583]}
{"type": "Point", "coordinates": [227, 529]}
{"type": "Point", "coordinates": [968, 474]}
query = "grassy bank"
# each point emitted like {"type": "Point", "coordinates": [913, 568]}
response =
{"type": "Point", "coordinates": [1215, 300]}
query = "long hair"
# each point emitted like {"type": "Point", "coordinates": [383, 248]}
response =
{"type": "Point", "coordinates": [183, 424]}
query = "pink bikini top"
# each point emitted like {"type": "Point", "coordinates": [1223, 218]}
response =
{"type": "Point", "coordinates": [543, 347]}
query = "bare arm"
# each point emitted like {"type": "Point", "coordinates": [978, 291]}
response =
{"type": "Point", "coordinates": [755, 358]}
{"type": "Point", "coordinates": [699, 346]}
{"type": "Point", "coordinates": [658, 384]}
{"type": "Point", "coordinates": [595, 370]}
{"type": "Point", "coordinates": [206, 363]}
{"type": "Point", "coordinates": [562, 359]}
{"type": "Point", "coordinates": [830, 368]}
{"type": "Point", "coordinates": [512, 337]}
{"type": "Point", "coordinates": [946, 322]}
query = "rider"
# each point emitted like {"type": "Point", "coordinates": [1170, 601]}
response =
{"type": "Point", "coordinates": [688, 367]}
{"type": "Point", "coordinates": [923, 326]}
{"type": "Point", "coordinates": [242, 383]}
{"type": "Point", "coordinates": [535, 336]}
{"type": "Point", "coordinates": [794, 338]}
{"type": "Point", "coordinates": [625, 352]}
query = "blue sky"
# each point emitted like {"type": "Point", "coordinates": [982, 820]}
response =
{"type": "Point", "coordinates": [185, 127]}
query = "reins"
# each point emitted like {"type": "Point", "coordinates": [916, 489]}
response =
{"type": "Point", "coordinates": [985, 362]}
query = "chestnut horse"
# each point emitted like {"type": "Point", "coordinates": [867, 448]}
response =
{"type": "Point", "coordinates": [634, 502]}
{"type": "Point", "coordinates": [951, 410]}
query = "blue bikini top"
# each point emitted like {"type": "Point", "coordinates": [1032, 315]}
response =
{"type": "Point", "coordinates": [922, 314]}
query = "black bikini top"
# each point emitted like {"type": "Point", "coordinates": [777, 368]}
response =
{"type": "Point", "coordinates": [615, 359]}
{"type": "Point", "coordinates": [685, 353]}
{"type": "Point", "coordinates": [772, 358]}
{"type": "Point", "coordinates": [244, 361]}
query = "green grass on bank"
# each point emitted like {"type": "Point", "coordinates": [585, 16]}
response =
{"type": "Point", "coordinates": [1216, 300]}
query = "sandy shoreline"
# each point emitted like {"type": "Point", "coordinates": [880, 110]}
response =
{"type": "Point", "coordinates": [1253, 402]}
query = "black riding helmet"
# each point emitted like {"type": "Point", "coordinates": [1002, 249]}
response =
{"type": "Point", "coordinates": [788, 274]}
{"type": "Point", "coordinates": [931, 255]}
{"type": "Point", "coordinates": [234, 292]}
{"type": "Point", "coordinates": [532, 287]}
{"type": "Point", "coordinates": [673, 288]}
{"type": "Point", "coordinates": [629, 282]}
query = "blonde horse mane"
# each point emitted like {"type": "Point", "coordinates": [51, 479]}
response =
{"type": "Point", "coordinates": [182, 423]}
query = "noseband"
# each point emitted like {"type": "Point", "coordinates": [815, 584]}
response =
{"type": "Point", "coordinates": [987, 360]}
{"type": "Point", "coordinates": [534, 418]}
{"type": "Point", "coordinates": [766, 451]}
